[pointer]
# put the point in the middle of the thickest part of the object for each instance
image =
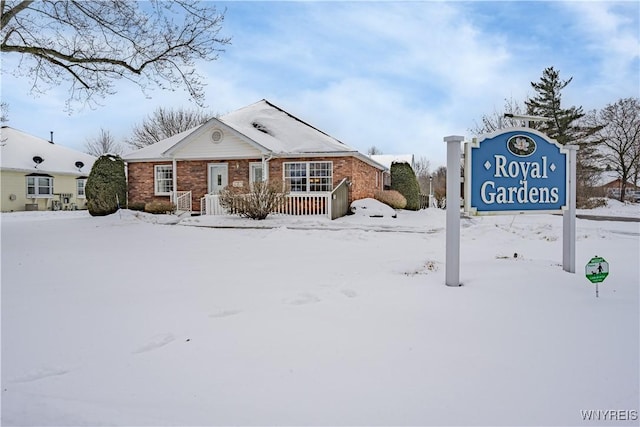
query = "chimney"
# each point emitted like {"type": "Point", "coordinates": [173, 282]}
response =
{"type": "Point", "coordinates": [51, 140]}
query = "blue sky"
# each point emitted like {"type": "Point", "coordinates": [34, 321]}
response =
{"type": "Point", "coordinates": [397, 75]}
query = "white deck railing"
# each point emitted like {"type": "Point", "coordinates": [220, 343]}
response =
{"type": "Point", "coordinates": [295, 204]}
{"type": "Point", "coordinates": [210, 205]}
{"type": "Point", "coordinates": [305, 204]}
{"type": "Point", "coordinates": [182, 201]}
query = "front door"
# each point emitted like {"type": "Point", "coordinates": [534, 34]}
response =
{"type": "Point", "coordinates": [218, 177]}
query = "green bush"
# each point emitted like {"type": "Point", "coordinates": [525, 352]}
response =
{"type": "Point", "coordinates": [136, 206]}
{"type": "Point", "coordinates": [158, 207]}
{"type": "Point", "coordinates": [404, 180]}
{"type": "Point", "coordinates": [106, 187]}
{"type": "Point", "coordinates": [392, 198]}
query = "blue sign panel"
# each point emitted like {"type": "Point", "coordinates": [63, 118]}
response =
{"type": "Point", "coordinates": [516, 170]}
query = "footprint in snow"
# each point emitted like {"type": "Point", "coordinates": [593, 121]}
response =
{"type": "Point", "coordinates": [350, 293]}
{"type": "Point", "coordinates": [303, 299]}
{"type": "Point", "coordinates": [156, 342]}
{"type": "Point", "coordinates": [40, 374]}
{"type": "Point", "coordinates": [225, 313]}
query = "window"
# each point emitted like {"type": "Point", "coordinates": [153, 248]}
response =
{"type": "Point", "coordinates": [39, 186]}
{"type": "Point", "coordinates": [163, 180]}
{"type": "Point", "coordinates": [308, 176]}
{"type": "Point", "coordinates": [255, 172]}
{"type": "Point", "coordinates": [80, 184]}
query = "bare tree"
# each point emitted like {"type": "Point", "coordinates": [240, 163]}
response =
{"type": "Point", "coordinates": [4, 112]}
{"type": "Point", "coordinates": [496, 120]}
{"type": "Point", "coordinates": [164, 123]}
{"type": "Point", "coordinates": [373, 150]}
{"type": "Point", "coordinates": [104, 143]}
{"type": "Point", "coordinates": [422, 168]}
{"type": "Point", "coordinates": [440, 184]}
{"type": "Point", "coordinates": [93, 44]}
{"type": "Point", "coordinates": [618, 127]}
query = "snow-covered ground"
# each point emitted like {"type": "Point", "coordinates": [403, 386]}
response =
{"type": "Point", "coordinates": [127, 320]}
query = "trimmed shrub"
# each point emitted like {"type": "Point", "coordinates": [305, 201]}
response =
{"type": "Point", "coordinates": [592, 202]}
{"type": "Point", "coordinates": [256, 201]}
{"type": "Point", "coordinates": [158, 207]}
{"type": "Point", "coordinates": [392, 198]}
{"type": "Point", "coordinates": [404, 180]}
{"type": "Point", "coordinates": [136, 206]}
{"type": "Point", "coordinates": [106, 187]}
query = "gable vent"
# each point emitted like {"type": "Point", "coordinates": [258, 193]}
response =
{"type": "Point", "coordinates": [216, 135]}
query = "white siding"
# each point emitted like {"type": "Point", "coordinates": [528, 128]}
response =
{"type": "Point", "coordinates": [231, 146]}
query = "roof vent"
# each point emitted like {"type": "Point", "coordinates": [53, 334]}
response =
{"type": "Point", "coordinates": [262, 128]}
{"type": "Point", "coordinates": [37, 160]}
{"type": "Point", "coordinates": [79, 165]}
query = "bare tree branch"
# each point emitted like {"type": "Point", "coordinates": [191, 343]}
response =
{"type": "Point", "coordinates": [94, 44]}
{"type": "Point", "coordinates": [102, 144]}
{"type": "Point", "coordinates": [164, 123]}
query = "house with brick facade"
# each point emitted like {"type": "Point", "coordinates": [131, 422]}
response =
{"type": "Point", "coordinates": [259, 142]}
{"type": "Point", "coordinates": [610, 185]}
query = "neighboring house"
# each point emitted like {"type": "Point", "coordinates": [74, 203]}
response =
{"type": "Point", "coordinates": [387, 159]}
{"type": "Point", "coordinates": [257, 142]}
{"type": "Point", "coordinates": [610, 184]}
{"type": "Point", "coordinates": [37, 174]}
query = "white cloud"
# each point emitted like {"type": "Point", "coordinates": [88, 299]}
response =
{"type": "Point", "coordinates": [398, 75]}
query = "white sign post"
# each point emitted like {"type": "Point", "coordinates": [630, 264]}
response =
{"type": "Point", "coordinates": [569, 216]}
{"type": "Point", "coordinates": [452, 271]}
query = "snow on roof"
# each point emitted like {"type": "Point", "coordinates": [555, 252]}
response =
{"type": "Point", "coordinates": [265, 125]}
{"type": "Point", "coordinates": [156, 151]}
{"type": "Point", "coordinates": [607, 177]}
{"type": "Point", "coordinates": [387, 159]}
{"type": "Point", "coordinates": [280, 132]}
{"type": "Point", "coordinates": [18, 149]}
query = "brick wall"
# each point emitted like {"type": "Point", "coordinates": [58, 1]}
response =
{"type": "Point", "coordinates": [193, 176]}
{"type": "Point", "coordinates": [361, 174]}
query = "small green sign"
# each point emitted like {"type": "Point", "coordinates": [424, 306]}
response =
{"type": "Point", "coordinates": [597, 269]}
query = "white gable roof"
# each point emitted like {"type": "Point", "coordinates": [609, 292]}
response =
{"type": "Point", "coordinates": [155, 151]}
{"type": "Point", "coordinates": [280, 132]}
{"type": "Point", "coordinates": [264, 127]}
{"type": "Point", "coordinates": [17, 150]}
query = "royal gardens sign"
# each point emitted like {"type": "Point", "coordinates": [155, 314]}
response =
{"type": "Point", "coordinates": [517, 170]}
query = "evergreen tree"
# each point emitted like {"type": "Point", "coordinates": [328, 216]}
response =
{"type": "Point", "coordinates": [404, 181]}
{"type": "Point", "coordinates": [566, 126]}
{"type": "Point", "coordinates": [548, 103]}
{"type": "Point", "coordinates": [106, 187]}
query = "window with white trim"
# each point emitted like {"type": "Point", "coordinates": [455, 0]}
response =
{"type": "Point", "coordinates": [308, 176]}
{"type": "Point", "coordinates": [255, 172]}
{"type": "Point", "coordinates": [163, 180]}
{"type": "Point", "coordinates": [80, 184]}
{"type": "Point", "coordinates": [39, 186]}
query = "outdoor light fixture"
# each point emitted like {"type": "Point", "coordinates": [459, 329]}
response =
{"type": "Point", "coordinates": [526, 118]}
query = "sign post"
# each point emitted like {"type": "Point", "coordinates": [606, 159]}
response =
{"type": "Point", "coordinates": [569, 216]}
{"type": "Point", "coordinates": [452, 251]}
{"type": "Point", "coordinates": [596, 270]}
